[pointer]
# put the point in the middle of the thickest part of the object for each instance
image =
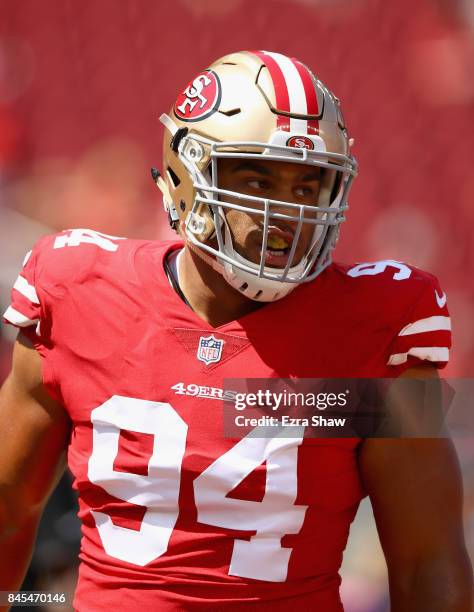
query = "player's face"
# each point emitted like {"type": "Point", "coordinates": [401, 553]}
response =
{"type": "Point", "coordinates": [283, 181]}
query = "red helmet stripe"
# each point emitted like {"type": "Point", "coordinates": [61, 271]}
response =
{"type": "Point", "coordinates": [295, 91]}
{"type": "Point", "coordinates": [310, 92]}
{"type": "Point", "coordinates": [280, 87]}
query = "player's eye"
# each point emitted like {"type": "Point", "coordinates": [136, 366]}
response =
{"type": "Point", "coordinates": [258, 184]}
{"type": "Point", "coordinates": [304, 192]}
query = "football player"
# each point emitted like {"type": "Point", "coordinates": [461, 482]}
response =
{"type": "Point", "coordinates": [125, 347]}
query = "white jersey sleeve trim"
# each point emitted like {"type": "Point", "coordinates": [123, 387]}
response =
{"type": "Point", "coordinates": [15, 317]}
{"type": "Point", "coordinates": [427, 353]}
{"type": "Point", "coordinates": [27, 290]}
{"type": "Point", "coordinates": [26, 258]}
{"type": "Point", "coordinates": [437, 323]}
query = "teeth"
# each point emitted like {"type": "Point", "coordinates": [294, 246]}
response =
{"type": "Point", "coordinates": [277, 243]}
{"type": "Point", "coordinates": [276, 252]}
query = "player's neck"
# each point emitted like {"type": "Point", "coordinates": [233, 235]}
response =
{"type": "Point", "coordinates": [208, 294]}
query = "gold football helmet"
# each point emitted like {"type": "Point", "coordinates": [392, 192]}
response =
{"type": "Point", "coordinates": [248, 105]}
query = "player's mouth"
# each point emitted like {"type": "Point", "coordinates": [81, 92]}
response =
{"type": "Point", "coordinates": [279, 243]}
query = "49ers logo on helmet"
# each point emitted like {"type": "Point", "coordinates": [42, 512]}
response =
{"type": "Point", "coordinates": [300, 142]}
{"type": "Point", "coordinates": [200, 99]}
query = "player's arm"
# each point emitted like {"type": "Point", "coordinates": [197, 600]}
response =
{"type": "Point", "coordinates": [416, 493]}
{"type": "Point", "coordinates": [34, 430]}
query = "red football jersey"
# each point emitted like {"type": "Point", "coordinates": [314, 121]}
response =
{"type": "Point", "coordinates": [175, 516]}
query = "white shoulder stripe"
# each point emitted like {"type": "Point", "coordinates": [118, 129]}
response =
{"type": "Point", "coordinates": [27, 290]}
{"type": "Point", "coordinates": [15, 317]}
{"type": "Point", "coordinates": [429, 324]}
{"type": "Point", "coordinates": [428, 353]}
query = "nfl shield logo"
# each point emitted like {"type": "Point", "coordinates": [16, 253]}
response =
{"type": "Point", "coordinates": [209, 349]}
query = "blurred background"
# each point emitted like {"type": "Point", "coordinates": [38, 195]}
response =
{"type": "Point", "coordinates": [82, 85]}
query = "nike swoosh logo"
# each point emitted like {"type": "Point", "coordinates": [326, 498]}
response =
{"type": "Point", "coordinates": [440, 299]}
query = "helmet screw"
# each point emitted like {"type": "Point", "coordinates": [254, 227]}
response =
{"type": "Point", "coordinates": [196, 223]}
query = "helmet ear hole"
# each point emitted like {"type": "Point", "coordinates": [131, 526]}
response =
{"type": "Point", "coordinates": [182, 205]}
{"type": "Point", "coordinates": [174, 178]}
